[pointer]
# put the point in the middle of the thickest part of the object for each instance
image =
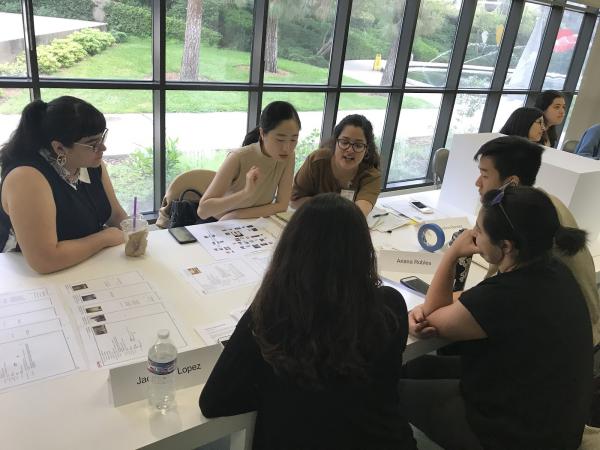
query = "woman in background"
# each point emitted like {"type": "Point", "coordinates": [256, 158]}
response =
{"type": "Point", "coordinates": [58, 203]}
{"type": "Point", "coordinates": [552, 103]}
{"type": "Point", "coordinates": [525, 122]}
{"type": "Point", "coordinates": [319, 351]}
{"type": "Point", "coordinates": [347, 164]}
{"type": "Point", "coordinates": [256, 180]}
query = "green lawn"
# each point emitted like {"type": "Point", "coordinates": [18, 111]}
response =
{"type": "Point", "coordinates": [133, 60]}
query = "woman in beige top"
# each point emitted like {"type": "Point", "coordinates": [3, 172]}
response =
{"type": "Point", "coordinates": [256, 180]}
{"type": "Point", "coordinates": [347, 164]}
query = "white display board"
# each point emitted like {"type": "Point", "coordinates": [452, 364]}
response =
{"type": "Point", "coordinates": [573, 179]}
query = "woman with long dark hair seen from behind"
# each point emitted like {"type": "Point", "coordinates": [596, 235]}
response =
{"type": "Point", "coordinates": [526, 349]}
{"type": "Point", "coordinates": [319, 351]}
{"type": "Point", "coordinates": [256, 180]}
{"type": "Point", "coordinates": [553, 105]}
{"type": "Point", "coordinates": [525, 122]}
{"type": "Point", "coordinates": [348, 164]}
{"type": "Point", "coordinates": [58, 203]}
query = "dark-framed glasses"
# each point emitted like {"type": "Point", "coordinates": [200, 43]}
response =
{"type": "Point", "coordinates": [357, 147]}
{"type": "Point", "coordinates": [497, 200]}
{"type": "Point", "coordinates": [95, 147]}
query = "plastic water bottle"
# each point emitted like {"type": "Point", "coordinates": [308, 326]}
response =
{"type": "Point", "coordinates": [162, 361]}
{"type": "Point", "coordinates": [462, 266]}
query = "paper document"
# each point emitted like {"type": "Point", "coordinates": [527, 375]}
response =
{"type": "Point", "coordinates": [36, 340]}
{"type": "Point", "coordinates": [119, 316]}
{"type": "Point", "coordinates": [216, 332]}
{"type": "Point", "coordinates": [385, 221]}
{"type": "Point", "coordinates": [231, 239]}
{"type": "Point", "coordinates": [220, 276]}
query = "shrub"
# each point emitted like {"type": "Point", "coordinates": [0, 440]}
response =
{"type": "Point", "coordinates": [66, 51]}
{"type": "Point", "coordinates": [237, 29]}
{"type": "Point", "coordinates": [137, 20]}
{"type": "Point", "coordinates": [47, 61]}
{"type": "Point", "coordinates": [423, 51]}
{"type": "Point", "coordinates": [92, 40]}
{"type": "Point", "coordinates": [68, 9]}
{"type": "Point", "coordinates": [13, 69]}
{"type": "Point", "coordinates": [119, 36]}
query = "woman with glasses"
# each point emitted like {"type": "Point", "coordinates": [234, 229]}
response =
{"type": "Point", "coordinates": [256, 180]}
{"type": "Point", "coordinates": [526, 122]}
{"type": "Point", "coordinates": [553, 104]}
{"type": "Point", "coordinates": [347, 164]}
{"type": "Point", "coordinates": [318, 353]}
{"type": "Point", "coordinates": [526, 349]}
{"type": "Point", "coordinates": [58, 203]}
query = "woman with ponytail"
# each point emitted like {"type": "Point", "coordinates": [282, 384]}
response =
{"type": "Point", "coordinates": [256, 180]}
{"type": "Point", "coordinates": [58, 203]}
{"type": "Point", "coordinates": [526, 353]}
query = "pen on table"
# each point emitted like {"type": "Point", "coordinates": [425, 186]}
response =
{"type": "Point", "coordinates": [379, 215]}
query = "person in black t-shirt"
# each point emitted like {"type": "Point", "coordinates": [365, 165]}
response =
{"type": "Point", "coordinates": [58, 203]}
{"type": "Point", "coordinates": [319, 351]}
{"type": "Point", "coordinates": [527, 351]}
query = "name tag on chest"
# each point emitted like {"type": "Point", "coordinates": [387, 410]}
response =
{"type": "Point", "coordinates": [348, 194]}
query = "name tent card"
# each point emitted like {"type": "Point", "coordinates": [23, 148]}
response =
{"type": "Point", "coordinates": [408, 262]}
{"type": "Point", "coordinates": [130, 383]}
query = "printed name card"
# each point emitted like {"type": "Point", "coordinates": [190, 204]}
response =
{"type": "Point", "coordinates": [408, 262]}
{"type": "Point", "coordinates": [130, 383]}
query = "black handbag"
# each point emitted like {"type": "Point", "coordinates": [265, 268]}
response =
{"type": "Point", "coordinates": [183, 211]}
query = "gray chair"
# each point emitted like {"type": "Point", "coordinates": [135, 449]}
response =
{"type": "Point", "coordinates": [570, 145]}
{"type": "Point", "coordinates": [440, 159]}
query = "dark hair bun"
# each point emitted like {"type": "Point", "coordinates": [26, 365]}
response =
{"type": "Point", "coordinates": [570, 240]}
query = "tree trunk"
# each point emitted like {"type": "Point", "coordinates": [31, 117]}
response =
{"type": "Point", "coordinates": [271, 44]}
{"type": "Point", "coordinates": [191, 43]}
{"type": "Point", "coordinates": [390, 63]}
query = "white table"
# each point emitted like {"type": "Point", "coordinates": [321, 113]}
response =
{"type": "Point", "coordinates": [76, 412]}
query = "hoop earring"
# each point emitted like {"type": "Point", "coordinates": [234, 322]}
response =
{"type": "Point", "coordinates": [61, 160]}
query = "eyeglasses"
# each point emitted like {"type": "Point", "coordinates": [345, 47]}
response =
{"type": "Point", "coordinates": [497, 200]}
{"type": "Point", "coordinates": [357, 147]}
{"type": "Point", "coordinates": [540, 122]}
{"type": "Point", "coordinates": [96, 147]}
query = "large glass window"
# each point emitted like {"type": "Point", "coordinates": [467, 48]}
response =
{"type": "Point", "coordinates": [12, 41]}
{"type": "Point", "coordinates": [373, 41]}
{"type": "Point", "coordinates": [466, 116]}
{"type": "Point", "coordinates": [486, 36]}
{"type": "Point", "coordinates": [414, 138]}
{"type": "Point", "coordinates": [201, 127]}
{"type": "Point", "coordinates": [104, 51]}
{"type": "Point", "coordinates": [527, 46]}
{"type": "Point", "coordinates": [562, 53]}
{"type": "Point", "coordinates": [86, 39]}
{"type": "Point", "coordinates": [298, 42]}
{"type": "Point", "coordinates": [508, 103]}
{"type": "Point", "coordinates": [433, 42]}
{"type": "Point", "coordinates": [209, 40]}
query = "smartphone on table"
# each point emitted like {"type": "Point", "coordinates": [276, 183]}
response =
{"type": "Point", "coordinates": [416, 284]}
{"type": "Point", "coordinates": [182, 235]}
{"type": "Point", "coordinates": [421, 207]}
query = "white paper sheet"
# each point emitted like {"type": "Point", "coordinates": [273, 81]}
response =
{"type": "Point", "coordinates": [231, 239]}
{"type": "Point", "coordinates": [217, 331]}
{"type": "Point", "coordinates": [386, 221]}
{"type": "Point", "coordinates": [227, 275]}
{"type": "Point", "coordinates": [36, 339]}
{"type": "Point", "coordinates": [119, 316]}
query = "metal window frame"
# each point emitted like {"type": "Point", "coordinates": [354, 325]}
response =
{"type": "Point", "coordinates": [255, 86]}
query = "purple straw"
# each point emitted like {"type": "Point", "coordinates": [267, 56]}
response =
{"type": "Point", "coordinates": [134, 210]}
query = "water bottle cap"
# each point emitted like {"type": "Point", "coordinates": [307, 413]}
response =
{"type": "Point", "coordinates": [163, 334]}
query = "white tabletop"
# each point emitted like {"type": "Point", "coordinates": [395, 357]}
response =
{"type": "Point", "coordinates": [76, 411]}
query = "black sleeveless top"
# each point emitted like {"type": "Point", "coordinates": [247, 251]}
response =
{"type": "Point", "coordinates": [79, 212]}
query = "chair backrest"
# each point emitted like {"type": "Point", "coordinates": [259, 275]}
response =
{"type": "Point", "coordinates": [440, 160]}
{"type": "Point", "coordinates": [198, 179]}
{"type": "Point", "coordinates": [570, 145]}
